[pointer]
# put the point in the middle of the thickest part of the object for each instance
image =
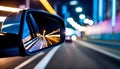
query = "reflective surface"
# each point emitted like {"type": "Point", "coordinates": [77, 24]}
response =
{"type": "Point", "coordinates": [46, 35]}
{"type": "Point", "coordinates": [92, 49]}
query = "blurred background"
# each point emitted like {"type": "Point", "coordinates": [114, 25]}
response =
{"type": "Point", "coordinates": [92, 35]}
{"type": "Point", "coordinates": [91, 19]}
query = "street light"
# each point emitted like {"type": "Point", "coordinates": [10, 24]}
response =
{"type": "Point", "coordinates": [73, 2]}
{"type": "Point", "coordinates": [91, 22]}
{"type": "Point", "coordinates": [78, 9]}
{"type": "Point", "coordinates": [70, 19]}
{"type": "Point", "coordinates": [86, 21]}
{"type": "Point", "coordinates": [82, 16]}
{"type": "Point", "coordinates": [75, 24]}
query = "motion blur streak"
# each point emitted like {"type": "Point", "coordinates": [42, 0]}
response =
{"type": "Point", "coordinates": [100, 10]}
{"type": "Point", "coordinates": [58, 30]}
{"type": "Point", "coordinates": [104, 27]}
{"type": "Point", "coordinates": [43, 63]}
{"type": "Point", "coordinates": [114, 4]}
{"type": "Point", "coordinates": [10, 9]}
{"type": "Point", "coordinates": [96, 48]}
{"type": "Point", "coordinates": [8, 25]}
{"type": "Point", "coordinates": [49, 8]}
{"type": "Point", "coordinates": [53, 39]}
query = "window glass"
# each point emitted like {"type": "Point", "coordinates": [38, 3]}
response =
{"type": "Point", "coordinates": [12, 23]}
{"type": "Point", "coordinates": [26, 33]}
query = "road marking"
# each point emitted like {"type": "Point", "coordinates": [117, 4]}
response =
{"type": "Point", "coordinates": [43, 63]}
{"type": "Point", "coordinates": [29, 60]}
{"type": "Point", "coordinates": [94, 47]}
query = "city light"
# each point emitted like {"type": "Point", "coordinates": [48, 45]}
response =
{"type": "Point", "coordinates": [73, 2]}
{"type": "Point", "coordinates": [69, 31]}
{"type": "Point", "coordinates": [82, 16]}
{"type": "Point", "coordinates": [75, 24]}
{"type": "Point", "coordinates": [9, 9]}
{"type": "Point", "coordinates": [95, 10]}
{"type": "Point", "coordinates": [86, 21]}
{"type": "Point", "coordinates": [70, 19]}
{"type": "Point", "coordinates": [114, 4]}
{"type": "Point", "coordinates": [78, 9]}
{"type": "Point", "coordinates": [74, 37]}
{"type": "Point", "coordinates": [100, 17]}
{"type": "Point", "coordinates": [90, 22]}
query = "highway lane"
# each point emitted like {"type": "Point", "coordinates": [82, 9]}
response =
{"type": "Point", "coordinates": [76, 55]}
{"type": "Point", "coordinates": [13, 62]}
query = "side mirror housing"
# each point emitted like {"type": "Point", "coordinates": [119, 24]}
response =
{"type": "Point", "coordinates": [33, 31]}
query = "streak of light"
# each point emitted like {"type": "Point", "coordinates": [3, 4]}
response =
{"type": "Point", "coordinates": [53, 39]}
{"type": "Point", "coordinates": [114, 4]}
{"type": "Point", "coordinates": [8, 25]}
{"type": "Point", "coordinates": [29, 60]}
{"type": "Point", "coordinates": [56, 35]}
{"type": "Point", "coordinates": [58, 30]}
{"type": "Point", "coordinates": [47, 5]}
{"type": "Point", "coordinates": [49, 42]}
{"type": "Point", "coordinates": [46, 59]}
{"type": "Point", "coordinates": [9, 9]}
{"type": "Point", "coordinates": [100, 10]}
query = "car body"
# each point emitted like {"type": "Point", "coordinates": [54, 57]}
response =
{"type": "Point", "coordinates": [28, 32]}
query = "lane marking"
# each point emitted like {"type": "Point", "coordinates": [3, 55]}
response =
{"type": "Point", "coordinates": [29, 60]}
{"type": "Point", "coordinates": [94, 47]}
{"type": "Point", "coordinates": [43, 63]}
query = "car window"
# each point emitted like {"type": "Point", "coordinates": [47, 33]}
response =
{"type": "Point", "coordinates": [12, 23]}
{"type": "Point", "coordinates": [26, 36]}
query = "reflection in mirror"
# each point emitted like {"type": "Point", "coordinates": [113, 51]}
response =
{"type": "Point", "coordinates": [51, 38]}
{"type": "Point", "coordinates": [49, 30]}
{"type": "Point", "coordinates": [48, 35]}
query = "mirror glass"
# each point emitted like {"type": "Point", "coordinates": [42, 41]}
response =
{"type": "Point", "coordinates": [42, 31]}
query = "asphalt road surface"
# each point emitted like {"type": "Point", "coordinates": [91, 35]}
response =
{"type": "Point", "coordinates": [75, 55]}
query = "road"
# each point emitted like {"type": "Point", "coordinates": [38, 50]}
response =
{"type": "Point", "coordinates": [75, 55]}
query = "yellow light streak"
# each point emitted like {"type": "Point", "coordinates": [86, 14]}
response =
{"type": "Point", "coordinates": [50, 42]}
{"type": "Point", "coordinates": [58, 30]}
{"type": "Point", "coordinates": [47, 6]}
{"type": "Point", "coordinates": [9, 9]}
{"type": "Point", "coordinates": [57, 35]}
{"type": "Point", "coordinates": [53, 39]}
{"type": "Point", "coordinates": [44, 32]}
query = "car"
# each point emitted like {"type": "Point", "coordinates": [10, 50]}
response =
{"type": "Point", "coordinates": [30, 31]}
{"type": "Point", "coordinates": [68, 39]}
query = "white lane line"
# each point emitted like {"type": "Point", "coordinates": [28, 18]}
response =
{"type": "Point", "coordinates": [94, 47]}
{"type": "Point", "coordinates": [29, 60]}
{"type": "Point", "coordinates": [43, 63]}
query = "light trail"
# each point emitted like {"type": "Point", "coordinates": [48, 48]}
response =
{"type": "Point", "coordinates": [58, 30]}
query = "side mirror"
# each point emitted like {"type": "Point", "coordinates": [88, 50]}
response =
{"type": "Point", "coordinates": [48, 28]}
{"type": "Point", "coordinates": [35, 31]}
